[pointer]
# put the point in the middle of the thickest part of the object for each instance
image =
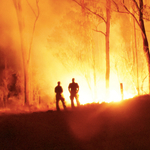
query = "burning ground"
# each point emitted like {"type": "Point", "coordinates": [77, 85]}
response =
{"type": "Point", "coordinates": [122, 125]}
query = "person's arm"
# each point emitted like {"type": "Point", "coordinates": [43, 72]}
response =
{"type": "Point", "coordinates": [61, 90]}
{"type": "Point", "coordinates": [55, 90]}
{"type": "Point", "coordinates": [69, 89]}
{"type": "Point", "coordinates": [77, 88]}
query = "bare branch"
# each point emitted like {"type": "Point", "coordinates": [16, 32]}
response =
{"type": "Point", "coordinates": [31, 7]}
{"type": "Point", "coordinates": [116, 5]}
{"type": "Point", "coordinates": [99, 31]}
{"type": "Point", "coordinates": [18, 8]}
{"type": "Point", "coordinates": [143, 83]}
{"type": "Point", "coordinates": [90, 10]}
{"type": "Point", "coordinates": [36, 18]}
{"type": "Point", "coordinates": [134, 18]}
{"type": "Point", "coordinates": [129, 12]}
{"type": "Point", "coordinates": [136, 4]}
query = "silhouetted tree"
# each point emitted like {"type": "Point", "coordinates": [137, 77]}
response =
{"type": "Point", "coordinates": [108, 10]}
{"type": "Point", "coordinates": [138, 8]}
{"type": "Point", "coordinates": [26, 53]}
{"type": "Point", "coordinates": [106, 20]}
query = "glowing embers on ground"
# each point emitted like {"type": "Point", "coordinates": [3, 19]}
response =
{"type": "Point", "coordinates": [86, 96]}
{"type": "Point", "coordinates": [114, 96]}
{"type": "Point", "coordinates": [97, 94]}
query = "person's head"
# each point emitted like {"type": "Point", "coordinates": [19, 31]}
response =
{"type": "Point", "coordinates": [73, 80]}
{"type": "Point", "coordinates": [58, 82]}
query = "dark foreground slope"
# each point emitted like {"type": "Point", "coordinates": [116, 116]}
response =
{"type": "Point", "coordinates": [115, 126]}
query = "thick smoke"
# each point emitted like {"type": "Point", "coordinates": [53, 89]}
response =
{"type": "Point", "coordinates": [46, 69]}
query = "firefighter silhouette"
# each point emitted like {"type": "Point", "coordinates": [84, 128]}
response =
{"type": "Point", "coordinates": [74, 89]}
{"type": "Point", "coordinates": [59, 96]}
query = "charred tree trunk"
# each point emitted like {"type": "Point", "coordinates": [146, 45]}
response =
{"type": "Point", "coordinates": [145, 40]}
{"type": "Point", "coordinates": [139, 9]}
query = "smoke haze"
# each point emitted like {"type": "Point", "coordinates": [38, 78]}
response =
{"type": "Point", "coordinates": [65, 46]}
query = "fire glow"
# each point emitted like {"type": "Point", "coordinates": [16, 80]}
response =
{"type": "Point", "coordinates": [86, 95]}
{"type": "Point", "coordinates": [115, 96]}
{"type": "Point", "coordinates": [50, 41]}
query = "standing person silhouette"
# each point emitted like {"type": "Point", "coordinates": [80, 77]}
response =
{"type": "Point", "coordinates": [74, 89]}
{"type": "Point", "coordinates": [59, 96]}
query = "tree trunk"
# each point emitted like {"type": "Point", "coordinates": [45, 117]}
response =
{"type": "Point", "coordinates": [26, 71]}
{"type": "Point", "coordinates": [136, 59]}
{"type": "Point", "coordinates": [145, 40]}
{"type": "Point", "coordinates": [108, 7]}
{"type": "Point", "coordinates": [18, 7]}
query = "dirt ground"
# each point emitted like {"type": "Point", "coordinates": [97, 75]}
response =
{"type": "Point", "coordinates": [114, 126]}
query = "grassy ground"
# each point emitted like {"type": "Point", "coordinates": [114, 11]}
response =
{"type": "Point", "coordinates": [114, 126]}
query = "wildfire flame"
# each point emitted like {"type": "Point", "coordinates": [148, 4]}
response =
{"type": "Point", "coordinates": [113, 97]}
{"type": "Point", "coordinates": [87, 95]}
